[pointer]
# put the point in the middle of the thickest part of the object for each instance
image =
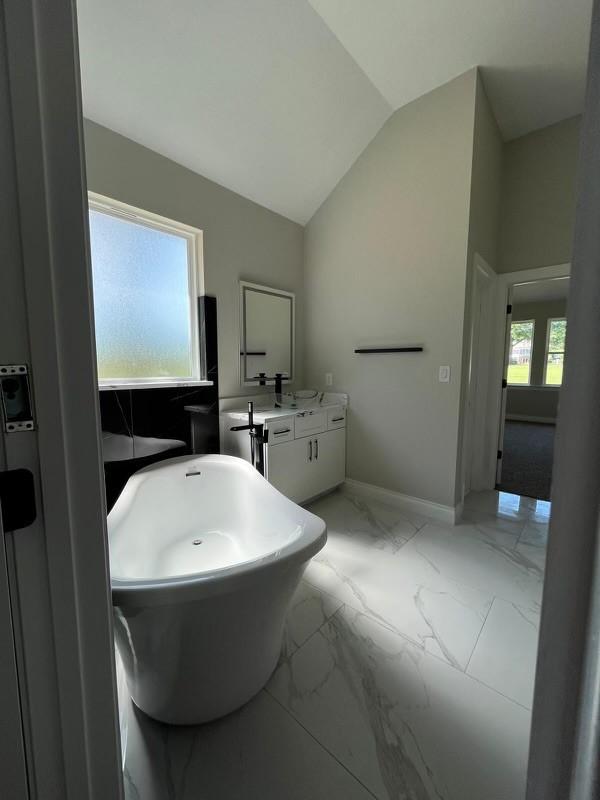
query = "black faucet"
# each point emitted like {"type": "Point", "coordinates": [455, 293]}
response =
{"type": "Point", "coordinates": [257, 439]}
{"type": "Point", "coordinates": [262, 379]}
{"type": "Point", "coordinates": [278, 386]}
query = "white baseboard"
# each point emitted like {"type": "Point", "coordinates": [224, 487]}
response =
{"type": "Point", "coordinates": [427, 508]}
{"type": "Point", "coordinates": [529, 418]}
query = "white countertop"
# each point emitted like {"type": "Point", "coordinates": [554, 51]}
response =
{"type": "Point", "coordinates": [263, 414]}
{"type": "Point", "coordinates": [264, 406]}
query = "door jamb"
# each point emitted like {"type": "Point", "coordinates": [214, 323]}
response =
{"type": "Point", "coordinates": [564, 753]}
{"type": "Point", "coordinates": [505, 282]}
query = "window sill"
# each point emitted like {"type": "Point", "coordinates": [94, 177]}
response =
{"type": "Point", "coordinates": [535, 387]}
{"type": "Point", "coordinates": [104, 387]}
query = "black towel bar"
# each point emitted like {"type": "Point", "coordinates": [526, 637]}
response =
{"type": "Point", "coordinates": [412, 349]}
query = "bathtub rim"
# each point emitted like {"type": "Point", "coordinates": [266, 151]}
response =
{"type": "Point", "coordinates": [186, 588]}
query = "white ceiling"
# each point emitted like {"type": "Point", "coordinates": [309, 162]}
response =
{"type": "Point", "coordinates": [275, 99]}
{"type": "Point", "coordinates": [541, 291]}
{"type": "Point", "coordinates": [533, 53]}
{"type": "Point", "coordinates": [257, 95]}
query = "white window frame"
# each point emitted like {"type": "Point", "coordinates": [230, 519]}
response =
{"type": "Point", "coordinates": [547, 351]}
{"type": "Point", "coordinates": [194, 237]}
{"type": "Point", "coordinates": [520, 322]}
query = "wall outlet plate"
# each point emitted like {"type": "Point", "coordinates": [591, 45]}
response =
{"type": "Point", "coordinates": [329, 379]}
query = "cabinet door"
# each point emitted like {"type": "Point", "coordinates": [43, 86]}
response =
{"type": "Point", "coordinates": [289, 468]}
{"type": "Point", "coordinates": [329, 461]}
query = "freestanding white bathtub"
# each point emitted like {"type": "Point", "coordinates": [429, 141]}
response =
{"type": "Point", "coordinates": [205, 555]}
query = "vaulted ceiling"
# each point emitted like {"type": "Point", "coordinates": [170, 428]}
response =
{"type": "Point", "coordinates": [275, 99]}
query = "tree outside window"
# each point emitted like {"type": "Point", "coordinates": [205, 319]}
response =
{"type": "Point", "coordinates": [555, 351]}
{"type": "Point", "coordinates": [519, 359]}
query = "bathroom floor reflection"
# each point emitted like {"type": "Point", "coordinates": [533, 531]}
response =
{"type": "Point", "coordinates": [407, 669]}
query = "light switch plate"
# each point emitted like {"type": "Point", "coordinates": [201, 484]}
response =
{"type": "Point", "coordinates": [329, 379]}
{"type": "Point", "coordinates": [444, 374]}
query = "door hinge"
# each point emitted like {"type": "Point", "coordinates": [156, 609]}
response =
{"type": "Point", "coordinates": [499, 456]}
{"type": "Point", "coordinates": [509, 309]}
{"type": "Point", "coordinates": [504, 383]}
{"type": "Point", "coordinates": [17, 499]}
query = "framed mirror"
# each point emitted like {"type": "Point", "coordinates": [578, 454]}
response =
{"type": "Point", "coordinates": [267, 325]}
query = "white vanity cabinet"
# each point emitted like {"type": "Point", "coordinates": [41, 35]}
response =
{"type": "Point", "coordinates": [305, 453]}
{"type": "Point", "coordinates": [308, 466]}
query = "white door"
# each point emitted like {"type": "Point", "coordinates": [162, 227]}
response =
{"type": "Point", "coordinates": [12, 761]}
{"type": "Point", "coordinates": [19, 557]}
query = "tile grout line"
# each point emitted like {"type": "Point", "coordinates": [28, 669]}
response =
{"type": "Point", "coordinates": [417, 530]}
{"type": "Point", "coordinates": [325, 620]}
{"type": "Point", "coordinates": [498, 692]}
{"type": "Point", "coordinates": [304, 728]}
{"type": "Point", "coordinates": [388, 626]}
{"type": "Point", "coordinates": [324, 592]}
{"type": "Point", "coordinates": [394, 630]}
{"type": "Point", "coordinates": [419, 646]}
{"type": "Point", "coordinates": [320, 744]}
{"type": "Point", "coordinates": [473, 585]}
{"type": "Point", "coordinates": [414, 644]}
{"type": "Point", "coordinates": [489, 611]}
{"type": "Point", "coordinates": [518, 542]}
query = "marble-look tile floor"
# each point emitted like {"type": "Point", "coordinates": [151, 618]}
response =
{"type": "Point", "coordinates": [406, 671]}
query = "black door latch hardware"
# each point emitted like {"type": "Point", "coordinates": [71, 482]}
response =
{"type": "Point", "coordinates": [17, 499]}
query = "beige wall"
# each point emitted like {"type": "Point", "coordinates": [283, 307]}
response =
{"type": "Point", "coordinates": [538, 197]}
{"type": "Point", "coordinates": [536, 402]}
{"type": "Point", "coordinates": [386, 260]}
{"type": "Point", "coordinates": [486, 183]}
{"type": "Point", "coordinates": [241, 238]}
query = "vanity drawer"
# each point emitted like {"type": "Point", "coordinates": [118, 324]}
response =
{"type": "Point", "coordinates": [281, 430]}
{"type": "Point", "coordinates": [308, 423]}
{"type": "Point", "coordinates": [336, 418]}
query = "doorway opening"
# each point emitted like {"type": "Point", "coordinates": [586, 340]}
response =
{"type": "Point", "coordinates": [536, 330]}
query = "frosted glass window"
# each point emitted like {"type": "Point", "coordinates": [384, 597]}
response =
{"type": "Point", "coordinates": [143, 301]}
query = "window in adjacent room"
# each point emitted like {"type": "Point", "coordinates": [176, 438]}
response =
{"type": "Point", "coordinates": [555, 351]}
{"type": "Point", "coordinates": [521, 346]}
{"type": "Point", "coordinates": [147, 275]}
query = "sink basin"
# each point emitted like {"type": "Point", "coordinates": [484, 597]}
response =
{"type": "Point", "coordinates": [303, 398]}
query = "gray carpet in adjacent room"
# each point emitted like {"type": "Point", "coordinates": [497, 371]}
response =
{"type": "Point", "coordinates": [527, 459]}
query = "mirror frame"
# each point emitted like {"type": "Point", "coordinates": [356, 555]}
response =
{"type": "Point", "coordinates": [246, 286]}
